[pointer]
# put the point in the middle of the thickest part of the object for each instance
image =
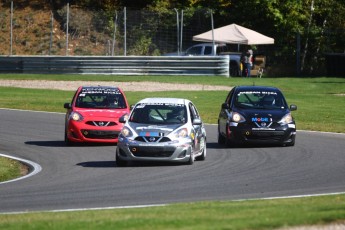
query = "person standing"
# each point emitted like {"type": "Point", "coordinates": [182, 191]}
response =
{"type": "Point", "coordinates": [248, 61]}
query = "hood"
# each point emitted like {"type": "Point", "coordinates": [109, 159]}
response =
{"type": "Point", "coordinates": [153, 130]}
{"type": "Point", "coordinates": [113, 113]}
{"type": "Point", "coordinates": [264, 115]}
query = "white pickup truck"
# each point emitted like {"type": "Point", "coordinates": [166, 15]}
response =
{"type": "Point", "coordinates": [205, 49]}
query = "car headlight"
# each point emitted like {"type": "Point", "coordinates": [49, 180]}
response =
{"type": "Point", "coordinates": [286, 119]}
{"type": "Point", "coordinates": [126, 132]}
{"type": "Point", "coordinates": [181, 133]}
{"type": "Point", "coordinates": [236, 117]}
{"type": "Point", "coordinates": [75, 116]}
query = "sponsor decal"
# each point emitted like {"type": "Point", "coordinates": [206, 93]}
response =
{"type": "Point", "coordinates": [257, 92]}
{"type": "Point", "coordinates": [142, 105]}
{"type": "Point", "coordinates": [261, 119]}
{"type": "Point", "coordinates": [97, 90]}
{"type": "Point", "coordinates": [154, 127]}
{"type": "Point", "coordinates": [151, 134]}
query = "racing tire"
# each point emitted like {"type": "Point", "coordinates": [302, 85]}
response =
{"type": "Point", "coordinates": [191, 158]}
{"type": "Point", "coordinates": [202, 157]}
{"type": "Point", "coordinates": [290, 144]}
{"type": "Point", "coordinates": [120, 162]}
{"type": "Point", "coordinates": [67, 141]}
{"type": "Point", "coordinates": [228, 142]}
{"type": "Point", "coordinates": [221, 138]}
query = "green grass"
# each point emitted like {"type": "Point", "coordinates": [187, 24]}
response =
{"type": "Point", "coordinates": [9, 169]}
{"type": "Point", "coordinates": [321, 107]}
{"type": "Point", "coordinates": [320, 100]}
{"type": "Point", "coordinates": [255, 214]}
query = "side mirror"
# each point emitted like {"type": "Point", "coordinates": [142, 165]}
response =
{"type": "Point", "coordinates": [67, 106]}
{"type": "Point", "coordinates": [197, 121]}
{"type": "Point", "coordinates": [123, 118]}
{"type": "Point", "coordinates": [293, 107]}
{"type": "Point", "coordinates": [225, 106]}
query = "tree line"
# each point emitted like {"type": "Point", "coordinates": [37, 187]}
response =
{"type": "Point", "coordinates": [302, 29]}
{"type": "Point", "coordinates": [318, 25]}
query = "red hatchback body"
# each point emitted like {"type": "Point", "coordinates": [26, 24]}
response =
{"type": "Point", "coordinates": [93, 115]}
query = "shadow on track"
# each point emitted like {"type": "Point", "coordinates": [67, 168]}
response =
{"type": "Point", "coordinates": [63, 144]}
{"type": "Point", "coordinates": [98, 164]}
{"type": "Point", "coordinates": [112, 164]}
{"type": "Point", "coordinates": [46, 143]}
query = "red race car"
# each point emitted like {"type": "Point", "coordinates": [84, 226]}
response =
{"type": "Point", "coordinates": [93, 115]}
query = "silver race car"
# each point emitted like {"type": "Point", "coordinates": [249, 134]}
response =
{"type": "Point", "coordinates": [162, 129]}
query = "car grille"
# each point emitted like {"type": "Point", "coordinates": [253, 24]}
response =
{"type": "Point", "coordinates": [101, 123]}
{"type": "Point", "coordinates": [152, 139]}
{"type": "Point", "coordinates": [98, 134]}
{"type": "Point", "coordinates": [265, 135]}
{"type": "Point", "coordinates": [148, 151]}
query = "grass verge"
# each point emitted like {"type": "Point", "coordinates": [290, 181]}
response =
{"type": "Point", "coordinates": [236, 215]}
{"type": "Point", "coordinates": [9, 169]}
{"type": "Point", "coordinates": [319, 100]}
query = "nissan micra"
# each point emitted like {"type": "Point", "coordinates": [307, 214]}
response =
{"type": "Point", "coordinates": [93, 115]}
{"type": "Point", "coordinates": [162, 129]}
{"type": "Point", "coordinates": [256, 114]}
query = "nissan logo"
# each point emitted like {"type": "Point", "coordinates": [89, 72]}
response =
{"type": "Point", "coordinates": [101, 123]}
{"type": "Point", "coordinates": [152, 139]}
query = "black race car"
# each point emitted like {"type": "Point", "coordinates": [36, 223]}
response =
{"type": "Point", "coordinates": [256, 114]}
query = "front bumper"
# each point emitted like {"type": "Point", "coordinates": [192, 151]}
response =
{"type": "Point", "coordinates": [80, 132]}
{"type": "Point", "coordinates": [164, 152]}
{"type": "Point", "coordinates": [284, 134]}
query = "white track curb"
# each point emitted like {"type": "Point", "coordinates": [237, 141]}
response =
{"type": "Point", "coordinates": [35, 168]}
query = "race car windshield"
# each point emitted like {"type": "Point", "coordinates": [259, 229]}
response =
{"type": "Point", "coordinates": [159, 114]}
{"type": "Point", "coordinates": [260, 100]}
{"type": "Point", "coordinates": [100, 101]}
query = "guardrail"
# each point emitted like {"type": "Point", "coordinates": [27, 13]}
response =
{"type": "Point", "coordinates": [117, 65]}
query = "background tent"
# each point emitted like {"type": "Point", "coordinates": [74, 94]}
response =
{"type": "Point", "coordinates": [234, 34]}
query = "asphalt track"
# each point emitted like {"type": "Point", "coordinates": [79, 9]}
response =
{"type": "Point", "coordinates": [81, 177]}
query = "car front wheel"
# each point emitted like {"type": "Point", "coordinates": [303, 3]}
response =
{"type": "Point", "coordinates": [221, 138]}
{"type": "Point", "coordinates": [202, 157]}
{"type": "Point", "coordinates": [67, 141]}
{"type": "Point", "coordinates": [119, 161]}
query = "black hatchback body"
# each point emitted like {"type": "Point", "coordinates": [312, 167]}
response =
{"type": "Point", "coordinates": [256, 114]}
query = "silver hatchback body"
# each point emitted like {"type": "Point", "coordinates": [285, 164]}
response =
{"type": "Point", "coordinates": [162, 129]}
